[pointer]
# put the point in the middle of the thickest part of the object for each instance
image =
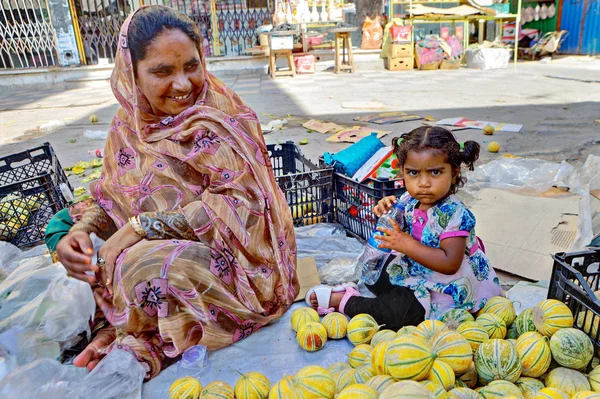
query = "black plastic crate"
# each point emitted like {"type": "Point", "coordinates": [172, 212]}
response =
{"type": "Point", "coordinates": [354, 202]}
{"type": "Point", "coordinates": [32, 183]}
{"type": "Point", "coordinates": [575, 278]}
{"type": "Point", "coordinates": [307, 188]}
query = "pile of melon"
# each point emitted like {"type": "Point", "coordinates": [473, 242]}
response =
{"type": "Point", "coordinates": [494, 354]}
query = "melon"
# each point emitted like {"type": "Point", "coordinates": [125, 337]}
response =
{"type": "Point", "coordinates": [587, 321]}
{"type": "Point", "coordinates": [463, 393]}
{"type": "Point", "coordinates": [363, 374]}
{"type": "Point", "coordinates": [442, 373]}
{"type": "Point", "coordinates": [455, 317]}
{"type": "Point", "coordinates": [513, 342]}
{"type": "Point", "coordinates": [380, 382]}
{"type": "Point", "coordinates": [360, 355]}
{"type": "Point", "coordinates": [529, 386]}
{"type": "Point", "coordinates": [567, 380]}
{"type": "Point", "coordinates": [405, 390]}
{"type": "Point", "coordinates": [454, 349]}
{"type": "Point", "coordinates": [470, 377]}
{"type": "Point", "coordinates": [512, 333]}
{"type": "Point", "coordinates": [344, 378]}
{"type": "Point", "coordinates": [524, 322]}
{"type": "Point", "coordinates": [217, 390]}
{"type": "Point", "coordinates": [460, 384]}
{"type": "Point", "coordinates": [551, 315]}
{"type": "Point", "coordinates": [311, 336]}
{"type": "Point", "coordinates": [383, 335]}
{"type": "Point", "coordinates": [594, 378]}
{"type": "Point", "coordinates": [474, 333]}
{"type": "Point", "coordinates": [428, 328]}
{"type": "Point", "coordinates": [185, 388]}
{"type": "Point", "coordinates": [286, 388]}
{"type": "Point", "coordinates": [406, 330]}
{"type": "Point", "coordinates": [252, 385]}
{"type": "Point", "coordinates": [358, 391]}
{"type": "Point", "coordinates": [571, 348]}
{"type": "Point", "coordinates": [497, 359]}
{"type": "Point", "coordinates": [586, 395]}
{"type": "Point", "coordinates": [336, 325]}
{"type": "Point", "coordinates": [501, 306]}
{"type": "Point", "coordinates": [378, 357]}
{"type": "Point", "coordinates": [551, 393]}
{"type": "Point", "coordinates": [434, 387]}
{"type": "Point", "coordinates": [492, 324]}
{"type": "Point", "coordinates": [361, 329]}
{"type": "Point", "coordinates": [534, 352]}
{"type": "Point", "coordinates": [315, 382]}
{"type": "Point", "coordinates": [302, 316]}
{"type": "Point", "coordinates": [500, 388]}
{"type": "Point", "coordinates": [409, 358]}
{"type": "Point", "coordinates": [337, 367]}
{"type": "Point", "coordinates": [493, 147]}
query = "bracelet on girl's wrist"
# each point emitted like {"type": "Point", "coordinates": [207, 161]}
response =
{"type": "Point", "coordinates": [137, 226]}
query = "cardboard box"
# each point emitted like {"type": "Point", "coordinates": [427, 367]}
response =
{"type": "Point", "coordinates": [451, 64]}
{"type": "Point", "coordinates": [400, 51]}
{"type": "Point", "coordinates": [281, 42]}
{"type": "Point", "coordinates": [399, 64]}
{"type": "Point", "coordinates": [305, 63]}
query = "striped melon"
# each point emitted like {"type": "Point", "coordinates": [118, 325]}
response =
{"type": "Point", "coordinates": [434, 387]}
{"type": "Point", "coordinates": [588, 322]}
{"type": "Point", "coordinates": [586, 395]}
{"type": "Point", "coordinates": [344, 378]}
{"type": "Point", "coordinates": [594, 378]}
{"type": "Point", "coordinates": [524, 322]}
{"type": "Point", "coordinates": [551, 315]}
{"type": "Point", "coordinates": [409, 358]}
{"type": "Point", "coordinates": [512, 333]}
{"type": "Point", "coordinates": [455, 317]}
{"type": "Point", "coordinates": [529, 386]}
{"type": "Point", "coordinates": [454, 349]}
{"type": "Point", "coordinates": [567, 380]}
{"type": "Point", "coordinates": [406, 390]}
{"type": "Point", "coordinates": [497, 359]}
{"type": "Point", "coordinates": [383, 335]}
{"type": "Point", "coordinates": [358, 391]}
{"type": "Point", "coordinates": [460, 384]}
{"type": "Point", "coordinates": [380, 382]}
{"type": "Point", "coordinates": [315, 382]}
{"type": "Point", "coordinates": [571, 348]}
{"type": "Point", "coordinates": [217, 390]}
{"type": "Point", "coordinates": [470, 377]}
{"type": "Point", "coordinates": [428, 328]}
{"type": "Point", "coordinates": [513, 342]}
{"type": "Point", "coordinates": [406, 330]}
{"type": "Point", "coordinates": [302, 316]}
{"type": "Point", "coordinates": [360, 355]}
{"type": "Point", "coordinates": [502, 307]}
{"type": "Point", "coordinates": [336, 325]}
{"type": "Point", "coordinates": [185, 388]}
{"type": "Point", "coordinates": [361, 329]}
{"type": "Point", "coordinates": [535, 355]}
{"type": "Point", "coordinates": [441, 372]}
{"type": "Point", "coordinates": [336, 367]}
{"type": "Point", "coordinates": [551, 393]}
{"type": "Point", "coordinates": [474, 333]}
{"type": "Point", "coordinates": [493, 325]}
{"type": "Point", "coordinates": [463, 393]}
{"type": "Point", "coordinates": [500, 388]}
{"type": "Point", "coordinates": [252, 385]}
{"type": "Point", "coordinates": [363, 374]}
{"type": "Point", "coordinates": [311, 336]}
{"type": "Point", "coordinates": [378, 358]}
{"type": "Point", "coordinates": [286, 388]}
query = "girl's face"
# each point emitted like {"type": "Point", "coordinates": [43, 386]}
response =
{"type": "Point", "coordinates": [171, 76]}
{"type": "Point", "coordinates": [428, 176]}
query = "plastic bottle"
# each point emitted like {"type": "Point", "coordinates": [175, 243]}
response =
{"type": "Point", "coordinates": [372, 259]}
{"type": "Point", "coordinates": [98, 152]}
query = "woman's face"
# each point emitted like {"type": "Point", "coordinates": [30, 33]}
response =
{"type": "Point", "coordinates": [171, 76]}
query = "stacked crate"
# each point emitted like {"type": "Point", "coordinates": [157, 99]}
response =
{"type": "Point", "coordinates": [400, 57]}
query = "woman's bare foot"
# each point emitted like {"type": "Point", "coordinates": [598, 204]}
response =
{"type": "Point", "coordinates": [334, 300]}
{"type": "Point", "coordinates": [90, 357]}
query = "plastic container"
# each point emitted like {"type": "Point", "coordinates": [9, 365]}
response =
{"type": "Point", "coordinates": [308, 189]}
{"type": "Point", "coordinates": [575, 278]}
{"type": "Point", "coordinates": [33, 187]}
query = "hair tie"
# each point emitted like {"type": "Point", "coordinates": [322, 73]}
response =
{"type": "Point", "coordinates": [399, 140]}
{"type": "Point", "coordinates": [462, 146]}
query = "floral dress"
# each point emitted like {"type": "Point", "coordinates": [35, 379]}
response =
{"type": "Point", "coordinates": [471, 286]}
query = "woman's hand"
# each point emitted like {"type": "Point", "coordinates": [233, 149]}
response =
{"type": "Point", "coordinates": [394, 239]}
{"type": "Point", "coordinates": [75, 253]}
{"type": "Point", "coordinates": [384, 205]}
{"type": "Point", "coordinates": [124, 238]}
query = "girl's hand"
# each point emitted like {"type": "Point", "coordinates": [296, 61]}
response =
{"type": "Point", "coordinates": [124, 238]}
{"type": "Point", "coordinates": [75, 253]}
{"type": "Point", "coordinates": [384, 205]}
{"type": "Point", "coordinates": [394, 239]}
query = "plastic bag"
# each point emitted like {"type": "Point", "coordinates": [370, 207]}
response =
{"type": "Point", "coordinates": [11, 256]}
{"type": "Point", "coordinates": [326, 242]}
{"type": "Point", "coordinates": [372, 34]}
{"type": "Point", "coordinates": [95, 134]}
{"type": "Point", "coordinates": [340, 270]}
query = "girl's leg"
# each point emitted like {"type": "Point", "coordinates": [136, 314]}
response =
{"type": "Point", "coordinates": [394, 309]}
{"type": "Point", "coordinates": [382, 285]}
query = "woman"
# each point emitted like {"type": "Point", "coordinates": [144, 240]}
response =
{"type": "Point", "coordinates": [200, 244]}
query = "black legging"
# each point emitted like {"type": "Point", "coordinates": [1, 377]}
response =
{"type": "Point", "coordinates": [394, 306]}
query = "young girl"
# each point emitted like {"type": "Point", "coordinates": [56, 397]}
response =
{"type": "Point", "coordinates": [442, 263]}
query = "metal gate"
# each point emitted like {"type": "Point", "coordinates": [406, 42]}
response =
{"type": "Point", "coordinates": [581, 18]}
{"type": "Point", "coordinates": [26, 36]}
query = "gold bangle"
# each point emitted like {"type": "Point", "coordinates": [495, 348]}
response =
{"type": "Point", "coordinates": [137, 226]}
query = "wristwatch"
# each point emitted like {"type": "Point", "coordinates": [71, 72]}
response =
{"type": "Point", "coordinates": [137, 226]}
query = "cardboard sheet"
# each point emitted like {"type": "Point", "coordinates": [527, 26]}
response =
{"type": "Point", "coordinates": [354, 134]}
{"type": "Point", "coordinates": [520, 233]}
{"type": "Point", "coordinates": [388, 118]}
{"type": "Point", "coordinates": [308, 276]}
{"type": "Point", "coordinates": [473, 124]}
{"type": "Point", "coordinates": [322, 127]}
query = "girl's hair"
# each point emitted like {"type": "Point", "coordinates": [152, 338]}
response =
{"type": "Point", "coordinates": [443, 141]}
{"type": "Point", "coordinates": [149, 22]}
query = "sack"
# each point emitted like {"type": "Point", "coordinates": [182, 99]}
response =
{"type": "Point", "coordinates": [372, 34]}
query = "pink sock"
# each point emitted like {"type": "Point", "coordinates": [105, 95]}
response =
{"type": "Point", "coordinates": [350, 292]}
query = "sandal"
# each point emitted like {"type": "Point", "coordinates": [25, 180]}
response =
{"type": "Point", "coordinates": [323, 294]}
